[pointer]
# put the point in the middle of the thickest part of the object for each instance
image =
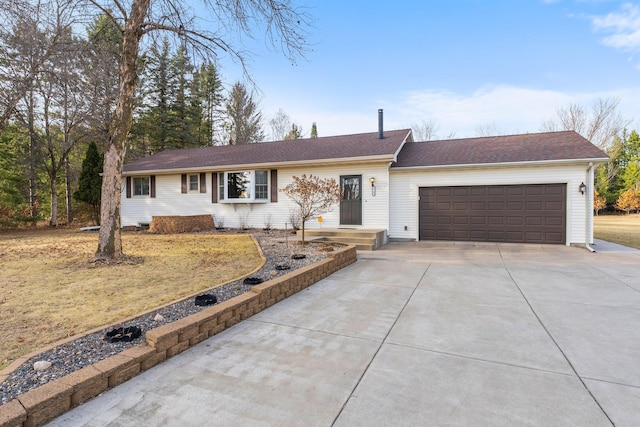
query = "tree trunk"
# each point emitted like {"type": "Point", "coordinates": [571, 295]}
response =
{"type": "Point", "coordinates": [33, 206]}
{"type": "Point", "coordinates": [67, 184]}
{"type": "Point", "coordinates": [110, 242]}
{"type": "Point", "coordinates": [54, 203]}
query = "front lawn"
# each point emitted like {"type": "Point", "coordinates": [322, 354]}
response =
{"type": "Point", "coordinates": [621, 229]}
{"type": "Point", "coordinates": [49, 290]}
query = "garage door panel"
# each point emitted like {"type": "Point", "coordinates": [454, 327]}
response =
{"type": "Point", "coordinates": [554, 237]}
{"type": "Point", "coordinates": [505, 213]}
{"type": "Point", "coordinates": [496, 220]}
{"type": "Point", "coordinates": [534, 206]}
{"type": "Point", "coordinates": [461, 220]}
{"type": "Point", "coordinates": [478, 220]}
{"type": "Point", "coordinates": [515, 206]}
{"type": "Point", "coordinates": [554, 206]}
{"type": "Point", "coordinates": [535, 221]}
{"type": "Point", "coordinates": [515, 220]}
{"type": "Point", "coordinates": [513, 190]}
{"type": "Point", "coordinates": [479, 235]}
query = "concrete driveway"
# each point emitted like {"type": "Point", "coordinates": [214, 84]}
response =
{"type": "Point", "coordinates": [416, 334]}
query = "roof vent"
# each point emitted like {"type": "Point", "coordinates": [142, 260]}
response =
{"type": "Point", "coordinates": [380, 127]}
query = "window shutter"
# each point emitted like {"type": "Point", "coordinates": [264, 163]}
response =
{"type": "Point", "coordinates": [214, 187]}
{"type": "Point", "coordinates": [274, 185]}
{"type": "Point", "coordinates": [184, 183]}
{"type": "Point", "coordinates": [152, 184]}
{"type": "Point", "coordinates": [128, 185]}
{"type": "Point", "coordinates": [203, 182]}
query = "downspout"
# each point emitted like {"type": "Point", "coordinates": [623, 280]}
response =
{"type": "Point", "coordinates": [588, 233]}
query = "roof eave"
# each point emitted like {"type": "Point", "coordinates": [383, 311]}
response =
{"type": "Point", "coordinates": [230, 167]}
{"type": "Point", "coordinates": [595, 161]}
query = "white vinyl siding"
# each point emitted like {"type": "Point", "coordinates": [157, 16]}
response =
{"type": "Point", "coordinates": [169, 200]}
{"type": "Point", "coordinates": [405, 186]}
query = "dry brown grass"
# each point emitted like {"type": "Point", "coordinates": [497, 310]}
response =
{"type": "Point", "coordinates": [49, 290]}
{"type": "Point", "coordinates": [621, 229]}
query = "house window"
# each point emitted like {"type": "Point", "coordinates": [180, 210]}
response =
{"type": "Point", "coordinates": [244, 186]}
{"type": "Point", "coordinates": [262, 185]}
{"type": "Point", "coordinates": [221, 185]}
{"type": "Point", "coordinates": [141, 186]}
{"type": "Point", "coordinates": [239, 185]}
{"type": "Point", "coordinates": [194, 183]}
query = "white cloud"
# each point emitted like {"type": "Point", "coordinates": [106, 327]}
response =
{"type": "Point", "coordinates": [623, 27]}
{"type": "Point", "coordinates": [509, 109]}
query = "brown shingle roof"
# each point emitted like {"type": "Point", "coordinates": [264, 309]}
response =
{"type": "Point", "coordinates": [534, 147]}
{"type": "Point", "coordinates": [325, 149]}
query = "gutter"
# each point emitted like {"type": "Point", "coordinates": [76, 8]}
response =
{"type": "Point", "coordinates": [588, 232]}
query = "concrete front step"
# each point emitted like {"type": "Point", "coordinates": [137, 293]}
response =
{"type": "Point", "coordinates": [363, 239]}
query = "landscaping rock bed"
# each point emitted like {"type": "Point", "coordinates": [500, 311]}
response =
{"type": "Point", "coordinates": [89, 349]}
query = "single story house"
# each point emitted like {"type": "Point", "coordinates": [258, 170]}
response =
{"type": "Point", "coordinates": [529, 188]}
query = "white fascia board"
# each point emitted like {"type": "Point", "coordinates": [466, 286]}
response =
{"type": "Point", "coordinates": [404, 141]}
{"type": "Point", "coordinates": [235, 167]}
{"type": "Point", "coordinates": [595, 161]}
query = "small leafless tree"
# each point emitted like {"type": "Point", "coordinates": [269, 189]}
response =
{"type": "Point", "coordinates": [426, 130]}
{"type": "Point", "coordinates": [313, 196]}
{"type": "Point", "coordinates": [280, 125]}
{"type": "Point", "coordinates": [488, 129]}
{"type": "Point", "coordinates": [294, 219]}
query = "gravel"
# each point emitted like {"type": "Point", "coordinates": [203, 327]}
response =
{"type": "Point", "coordinates": [89, 349]}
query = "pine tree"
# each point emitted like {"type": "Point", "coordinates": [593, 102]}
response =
{"type": "Point", "coordinates": [294, 133]}
{"type": "Point", "coordinates": [90, 183]}
{"type": "Point", "coordinates": [314, 131]}
{"type": "Point", "coordinates": [244, 118]}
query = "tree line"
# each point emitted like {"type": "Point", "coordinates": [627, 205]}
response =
{"type": "Point", "coordinates": [58, 91]}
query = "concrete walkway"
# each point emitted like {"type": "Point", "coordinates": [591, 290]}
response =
{"type": "Point", "coordinates": [415, 334]}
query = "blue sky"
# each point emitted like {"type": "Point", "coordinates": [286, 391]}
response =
{"type": "Point", "coordinates": [466, 64]}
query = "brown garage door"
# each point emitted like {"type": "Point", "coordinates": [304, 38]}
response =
{"type": "Point", "coordinates": [496, 213]}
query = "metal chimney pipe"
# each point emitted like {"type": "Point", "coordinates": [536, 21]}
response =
{"type": "Point", "coordinates": [380, 126]}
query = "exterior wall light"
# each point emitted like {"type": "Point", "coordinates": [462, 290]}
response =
{"type": "Point", "coordinates": [582, 188]}
{"type": "Point", "coordinates": [372, 180]}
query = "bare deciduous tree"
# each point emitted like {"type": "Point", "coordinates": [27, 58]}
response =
{"type": "Point", "coordinates": [282, 22]}
{"type": "Point", "coordinates": [426, 130]}
{"type": "Point", "coordinates": [280, 125]}
{"type": "Point", "coordinates": [600, 125]}
{"type": "Point", "coordinates": [313, 196]}
{"type": "Point", "coordinates": [489, 129]}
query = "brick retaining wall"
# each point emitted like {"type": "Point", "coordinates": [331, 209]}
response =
{"type": "Point", "coordinates": [43, 404]}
